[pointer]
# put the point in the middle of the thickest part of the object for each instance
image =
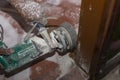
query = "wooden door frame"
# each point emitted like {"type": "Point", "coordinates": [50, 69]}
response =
{"type": "Point", "coordinates": [93, 42]}
{"type": "Point", "coordinates": [113, 21]}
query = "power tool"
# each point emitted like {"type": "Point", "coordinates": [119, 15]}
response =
{"type": "Point", "coordinates": [62, 40]}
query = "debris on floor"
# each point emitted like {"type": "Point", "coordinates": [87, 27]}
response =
{"type": "Point", "coordinates": [113, 75]}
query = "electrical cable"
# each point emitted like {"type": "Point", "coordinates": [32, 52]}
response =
{"type": "Point", "coordinates": [1, 33]}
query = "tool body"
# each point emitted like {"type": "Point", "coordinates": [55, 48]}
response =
{"type": "Point", "coordinates": [63, 40]}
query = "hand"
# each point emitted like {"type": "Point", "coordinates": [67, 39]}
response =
{"type": "Point", "coordinates": [6, 51]}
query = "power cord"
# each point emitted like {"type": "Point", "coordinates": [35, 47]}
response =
{"type": "Point", "coordinates": [1, 33]}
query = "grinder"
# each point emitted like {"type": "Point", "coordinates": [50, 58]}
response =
{"type": "Point", "coordinates": [63, 40]}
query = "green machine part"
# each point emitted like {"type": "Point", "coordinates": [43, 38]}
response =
{"type": "Point", "coordinates": [23, 54]}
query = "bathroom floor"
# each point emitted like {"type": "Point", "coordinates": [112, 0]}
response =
{"type": "Point", "coordinates": [75, 74]}
{"type": "Point", "coordinates": [53, 68]}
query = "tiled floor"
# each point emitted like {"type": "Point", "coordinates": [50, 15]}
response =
{"type": "Point", "coordinates": [48, 70]}
{"type": "Point", "coordinates": [114, 74]}
{"type": "Point", "coordinates": [45, 70]}
{"type": "Point", "coordinates": [74, 74]}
